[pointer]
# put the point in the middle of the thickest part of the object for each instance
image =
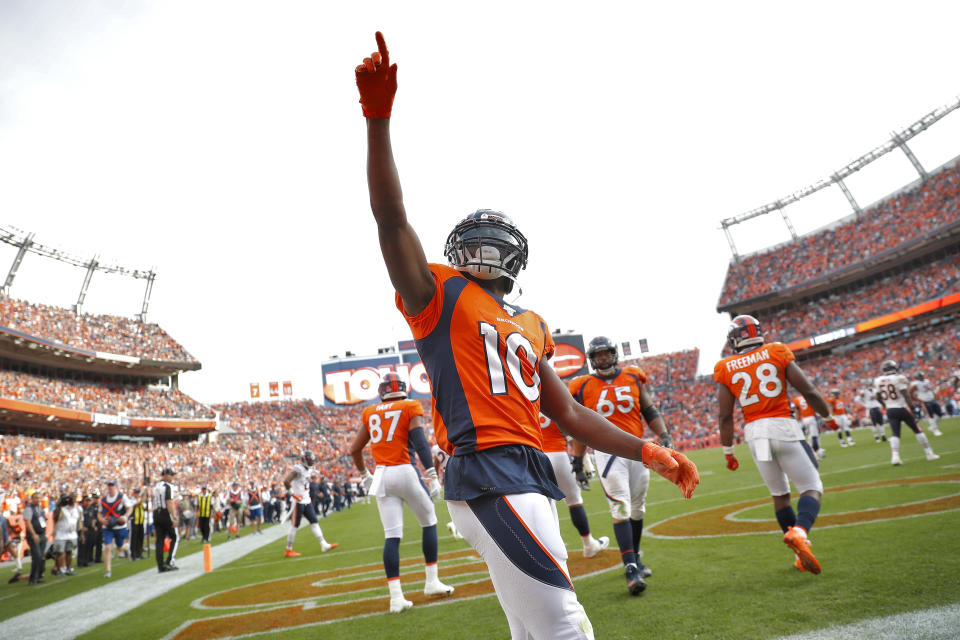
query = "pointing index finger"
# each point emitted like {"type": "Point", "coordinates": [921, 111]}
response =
{"type": "Point", "coordinates": [382, 48]}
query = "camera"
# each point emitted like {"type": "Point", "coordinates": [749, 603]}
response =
{"type": "Point", "coordinates": [65, 501]}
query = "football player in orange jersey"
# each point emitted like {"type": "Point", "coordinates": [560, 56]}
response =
{"type": "Point", "coordinates": [394, 429]}
{"type": "Point", "coordinates": [619, 395]}
{"type": "Point", "coordinates": [487, 364]}
{"type": "Point", "coordinates": [756, 375]}
{"type": "Point", "coordinates": [570, 478]}
{"type": "Point", "coordinates": [839, 411]}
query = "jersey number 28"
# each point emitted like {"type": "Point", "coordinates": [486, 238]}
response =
{"type": "Point", "coordinates": [769, 384]}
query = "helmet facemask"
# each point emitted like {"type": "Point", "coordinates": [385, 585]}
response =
{"type": "Point", "coordinates": [597, 346]}
{"type": "Point", "coordinates": [486, 245]}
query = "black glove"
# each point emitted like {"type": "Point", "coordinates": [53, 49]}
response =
{"type": "Point", "coordinates": [582, 480]}
{"type": "Point", "coordinates": [666, 440]}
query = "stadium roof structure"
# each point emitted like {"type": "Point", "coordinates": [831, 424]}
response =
{"type": "Point", "coordinates": [898, 140]}
{"type": "Point", "coordinates": [25, 243]}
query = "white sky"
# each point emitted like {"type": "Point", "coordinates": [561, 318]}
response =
{"type": "Point", "coordinates": [222, 143]}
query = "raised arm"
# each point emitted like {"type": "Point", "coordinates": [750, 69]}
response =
{"type": "Point", "coordinates": [399, 244]}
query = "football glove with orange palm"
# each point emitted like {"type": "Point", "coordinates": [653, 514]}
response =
{"type": "Point", "coordinates": [732, 463]}
{"type": "Point", "coordinates": [377, 82]}
{"type": "Point", "coordinates": [672, 465]}
{"type": "Point", "coordinates": [831, 423]}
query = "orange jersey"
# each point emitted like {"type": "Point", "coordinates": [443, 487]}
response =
{"type": "Point", "coordinates": [388, 424]}
{"type": "Point", "coordinates": [806, 411]}
{"type": "Point", "coordinates": [617, 399]}
{"type": "Point", "coordinates": [553, 438]}
{"type": "Point", "coordinates": [836, 405]}
{"type": "Point", "coordinates": [483, 357]}
{"type": "Point", "coordinates": [758, 379]}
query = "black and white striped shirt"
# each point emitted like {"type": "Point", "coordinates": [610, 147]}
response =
{"type": "Point", "coordinates": [162, 491]}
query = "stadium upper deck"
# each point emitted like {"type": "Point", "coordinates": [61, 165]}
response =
{"type": "Point", "coordinates": [916, 222]}
{"type": "Point", "coordinates": [100, 376]}
{"type": "Point", "coordinates": [57, 336]}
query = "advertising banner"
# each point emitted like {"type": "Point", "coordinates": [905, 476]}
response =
{"type": "Point", "coordinates": [355, 380]}
{"type": "Point", "coordinates": [569, 359]}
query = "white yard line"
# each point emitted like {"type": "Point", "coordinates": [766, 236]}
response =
{"type": "Point", "coordinates": [939, 623]}
{"type": "Point", "coordinates": [85, 611]}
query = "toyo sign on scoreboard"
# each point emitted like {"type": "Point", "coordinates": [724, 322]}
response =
{"type": "Point", "coordinates": [354, 380]}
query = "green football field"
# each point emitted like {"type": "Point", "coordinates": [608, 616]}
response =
{"type": "Point", "coordinates": [886, 537]}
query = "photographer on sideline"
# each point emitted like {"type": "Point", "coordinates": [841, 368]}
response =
{"type": "Point", "coordinates": [66, 523]}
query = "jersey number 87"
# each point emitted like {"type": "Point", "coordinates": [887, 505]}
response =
{"type": "Point", "coordinates": [373, 424]}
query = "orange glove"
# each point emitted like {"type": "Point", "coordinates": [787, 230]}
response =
{"type": "Point", "coordinates": [732, 463]}
{"type": "Point", "coordinates": [831, 424]}
{"type": "Point", "coordinates": [377, 82]}
{"type": "Point", "coordinates": [672, 465]}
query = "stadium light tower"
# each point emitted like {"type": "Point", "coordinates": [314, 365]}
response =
{"type": "Point", "coordinates": [898, 140]}
{"type": "Point", "coordinates": [25, 243]}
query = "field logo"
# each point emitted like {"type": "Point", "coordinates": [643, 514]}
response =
{"type": "Point", "coordinates": [723, 520]}
{"type": "Point", "coordinates": [318, 598]}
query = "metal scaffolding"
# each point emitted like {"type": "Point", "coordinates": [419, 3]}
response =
{"type": "Point", "coordinates": [25, 243]}
{"type": "Point", "coordinates": [898, 140]}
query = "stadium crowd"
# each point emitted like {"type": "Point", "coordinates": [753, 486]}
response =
{"type": "Point", "coordinates": [106, 333]}
{"type": "Point", "coordinates": [112, 398]}
{"type": "Point", "coordinates": [889, 294]}
{"type": "Point", "coordinates": [897, 220]}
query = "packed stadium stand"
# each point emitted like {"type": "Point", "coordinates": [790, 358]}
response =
{"type": "Point", "coordinates": [909, 225]}
{"type": "Point", "coordinates": [881, 285]}
{"type": "Point", "coordinates": [93, 377]}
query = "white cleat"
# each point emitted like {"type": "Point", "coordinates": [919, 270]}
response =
{"type": "Point", "coordinates": [436, 588]}
{"type": "Point", "coordinates": [452, 528]}
{"type": "Point", "coordinates": [595, 546]}
{"type": "Point", "coordinates": [398, 605]}
{"type": "Point", "coordinates": [895, 460]}
{"type": "Point", "coordinates": [932, 456]}
{"type": "Point", "coordinates": [937, 432]}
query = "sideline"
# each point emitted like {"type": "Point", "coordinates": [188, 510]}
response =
{"type": "Point", "coordinates": [939, 623]}
{"type": "Point", "coordinates": [60, 620]}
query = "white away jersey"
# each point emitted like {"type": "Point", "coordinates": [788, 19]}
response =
{"type": "Point", "coordinates": [893, 390]}
{"type": "Point", "coordinates": [868, 397]}
{"type": "Point", "coordinates": [300, 485]}
{"type": "Point", "coordinates": [924, 390]}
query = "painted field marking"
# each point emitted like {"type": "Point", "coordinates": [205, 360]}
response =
{"type": "Point", "coordinates": [298, 601]}
{"type": "Point", "coordinates": [722, 521]}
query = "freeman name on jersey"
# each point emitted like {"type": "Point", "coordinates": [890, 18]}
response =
{"type": "Point", "coordinates": [747, 360]}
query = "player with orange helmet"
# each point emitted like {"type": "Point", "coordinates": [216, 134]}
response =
{"type": "Point", "coordinates": [394, 428]}
{"type": "Point", "coordinates": [756, 376]}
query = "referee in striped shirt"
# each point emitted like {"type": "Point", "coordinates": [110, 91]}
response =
{"type": "Point", "coordinates": [165, 519]}
{"type": "Point", "coordinates": [204, 511]}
